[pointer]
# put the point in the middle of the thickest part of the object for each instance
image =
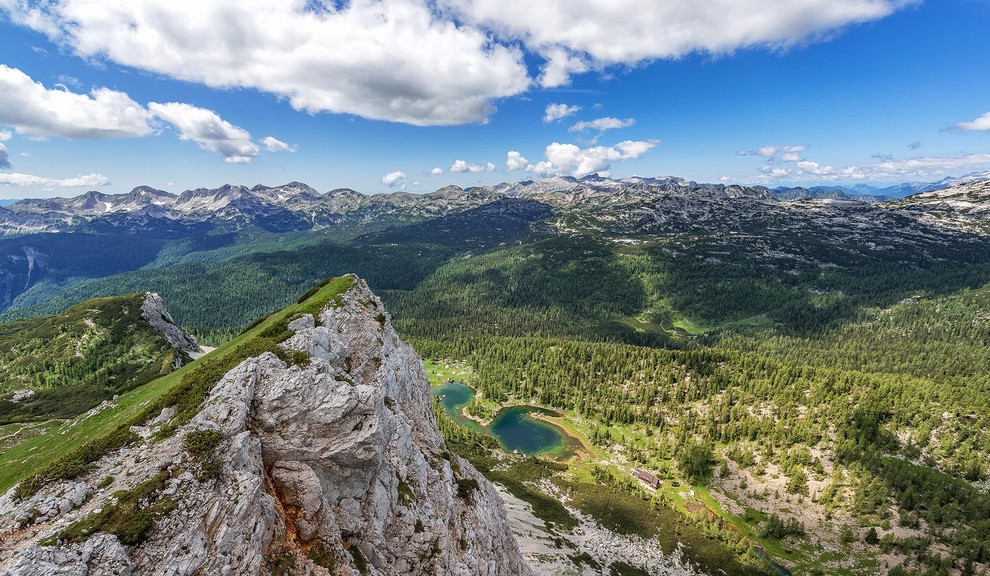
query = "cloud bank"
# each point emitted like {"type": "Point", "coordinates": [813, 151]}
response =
{"type": "Point", "coordinates": [389, 60]}
{"type": "Point", "coordinates": [788, 164]}
{"type": "Point", "coordinates": [421, 62]}
{"type": "Point", "coordinates": [90, 180]}
{"type": "Point", "coordinates": [574, 36]}
{"type": "Point", "coordinates": [32, 109]}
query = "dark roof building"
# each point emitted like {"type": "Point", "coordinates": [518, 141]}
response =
{"type": "Point", "coordinates": [646, 478]}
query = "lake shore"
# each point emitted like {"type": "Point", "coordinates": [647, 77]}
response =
{"type": "Point", "coordinates": [565, 444]}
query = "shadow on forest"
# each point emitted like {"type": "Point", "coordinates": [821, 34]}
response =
{"type": "Point", "coordinates": [485, 271]}
{"type": "Point", "coordinates": [721, 284]}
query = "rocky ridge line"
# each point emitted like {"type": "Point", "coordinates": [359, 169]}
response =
{"type": "Point", "coordinates": [336, 467]}
{"type": "Point", "coordinates": [153, 310]}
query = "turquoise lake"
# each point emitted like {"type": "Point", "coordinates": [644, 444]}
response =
{"type": "Point", "coordinates": [513, 427]}
{"type": "Point", "coordinates": [454, 396]}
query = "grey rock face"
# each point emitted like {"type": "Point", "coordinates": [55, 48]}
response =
{"type": "Point", "coordinates": [331, 468]}
{"type": "Point", "coordinates": [153, 310]}
{"type": "Point", "coordinates": [101, 555]}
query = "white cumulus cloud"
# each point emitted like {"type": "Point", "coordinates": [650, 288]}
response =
{"type": "Point", "coordinates": [208, 130]}
{"type": "Point", "coordinates": [4, 157]}
{"type": "Point", "coordinates": [560, 65]}
{"type": "Point", "coordinates": [463, 166]}
{"type": "Point", "coordinates": [601, 125]}
{"type": "Point", "coordinates": [37, 111]}
{"type": "Point", "coordinates": [273, 144]}
{"type": "Point", "coordinates": [578, 35]}
{"type": "Point", "coordinates": [422, 62]}
{"type": "Point", "coordinates": [568, 159]}
{"type": "Point", "coordinates": [5, 135]}
{"type": "Point", "coordinates": [814, 168]}
{"type": "Point", "coordinates": [776, 153]}
{"type": "Point", "coordinates": [394, 60]}
{"type": "Point", "coordinates": [31, 108]}
{"type": "Point", "coordinates": [981, 124]}
{"type": "Point", "coordinates": [16, 179]}
{"type": "Point", "coordinates": [436, 172]}
{"type": "Point", "coordinates": [515, 161]}
{"type": "Point", "coordinates": [556, 112]}
{"type": "Point", "coordinates": [392, 178]}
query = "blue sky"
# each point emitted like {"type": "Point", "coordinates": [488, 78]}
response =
{"type": "Point", "coordinates": [376, 94]}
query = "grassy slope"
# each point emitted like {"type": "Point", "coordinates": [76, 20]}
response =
{"type": "Point", "coordinates": [79, 357]}
{"type": "Point", "coordinates": [19, 462]}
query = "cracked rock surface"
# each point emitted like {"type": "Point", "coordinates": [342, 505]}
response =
{"type": "Point", "coordinates": [336, 468]}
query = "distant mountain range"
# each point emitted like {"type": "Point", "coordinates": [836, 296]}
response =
{"type": "Point", "coordinates": [660, 307]}
{"type": "Point", "coordinates": [904, 189]}
{"type": "Point", "coordinates": [47, 245]}
{"type": "Point", "coordinates": [297, 207]}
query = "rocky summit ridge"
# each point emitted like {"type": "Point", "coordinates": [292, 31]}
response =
{"type": "Point", "coordinates": [329, 464]}
{"type": "Point", "coordinates": [298, 207]}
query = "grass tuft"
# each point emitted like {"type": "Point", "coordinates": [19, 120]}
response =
{"type": "Point", "coordinates": [131, 519]}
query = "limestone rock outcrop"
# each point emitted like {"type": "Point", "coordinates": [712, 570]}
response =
{"type": "Point", "coordinates": [332, 467]}
{"type": "Point", "coordinates": [153, 310]}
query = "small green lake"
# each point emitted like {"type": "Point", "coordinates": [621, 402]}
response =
{"type": "Point", "coordinates": [514, 427]}
{"type": "Point", "coordinates": [454, 396]}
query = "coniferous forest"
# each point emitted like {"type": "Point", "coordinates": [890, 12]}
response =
{"type": "Point", "coordinates": [818, 395]}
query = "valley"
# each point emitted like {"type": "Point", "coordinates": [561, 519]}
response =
{"type": "Point", "coordinates": [805, 378]}
{"type": "Point", "coordinates": [495, 288]}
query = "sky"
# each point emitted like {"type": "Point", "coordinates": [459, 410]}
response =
{"type": "Point", "coordinates": [382, 95]}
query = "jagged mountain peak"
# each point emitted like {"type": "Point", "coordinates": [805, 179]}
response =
{"type": "Point", "coordinates": [328, 465]}
{"type": "Point", "coordinates": [297, 206]}
{"type": "Point", "coordinates": [595, 177]}
{"type": "Point", "coordinates": [207, 199]}
{"type": "Point", "coordinates": [154, 311]}
{"type": "Point", "coordinates": [286, 192]}
{"type": "Point", "coordinates": [343, 192]}
{"type": "Point", "coordinates": [451, 189]}
{"type": "Point", "coordinates": [150, 192]}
